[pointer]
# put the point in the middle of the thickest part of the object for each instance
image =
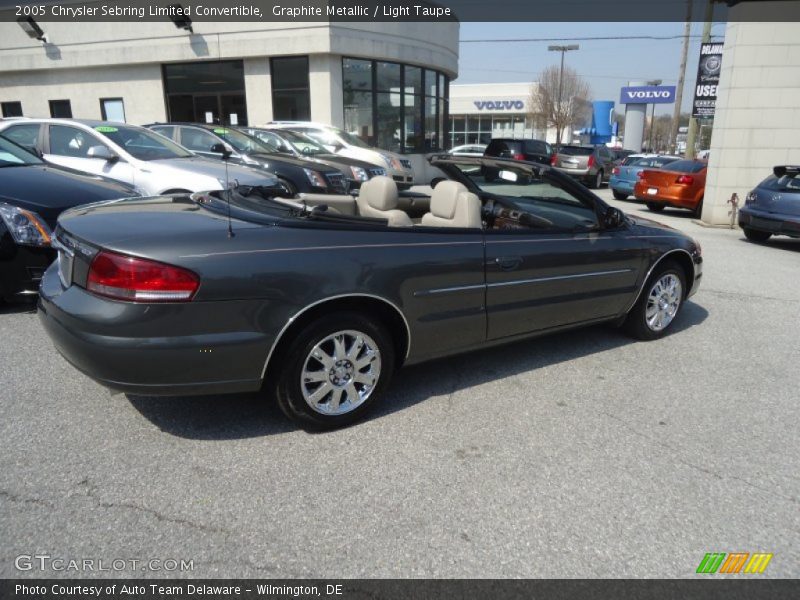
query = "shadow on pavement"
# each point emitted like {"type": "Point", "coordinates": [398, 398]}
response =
{"type": "Point", "coordinates": [238, 416]}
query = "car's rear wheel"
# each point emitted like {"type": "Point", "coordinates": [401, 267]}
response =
{"type": "Point", "coordinates": [598, 181]}
{"type": "Point", "coordinates": [334, 370]}
{"type": "Point", "coordinates": [619, 195]}
{"type": "Point", "coordinates": [655, 206]}
{"type": "Point", "coordinates": [755, 235]}
{"type": "Point", "coordinates": [659, 304]}
{"type": "Point", "coordinates": [698, 210]}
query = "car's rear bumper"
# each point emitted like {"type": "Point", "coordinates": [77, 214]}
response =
{"type": "Point", "coordinates": [668, 196]}
{"type": "Point", "coordinates": [621, 185]}
{"type": "Point", "coordinates": [577, 173]}
{"type": "Point", "coordinates": [145, 348]}
{"type": "Point", "coordinates": [777, 224]}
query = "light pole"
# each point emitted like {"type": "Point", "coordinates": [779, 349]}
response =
{"type": "Point", "coordinates": [563, 50]}
{"type": "Point", "coordinates": [655, 82]}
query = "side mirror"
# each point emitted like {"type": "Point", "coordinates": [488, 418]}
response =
{"type": "Point", "coordinates": [508, 176]}
{"type": "Point", "coordinates": [103, 153]}
{"type": "Point", "coordinates": [221, 148]}
{"type": "Point", "coordinates": [613, 218]}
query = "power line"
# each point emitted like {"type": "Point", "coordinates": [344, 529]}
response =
{"type": "Point", "coordinates": [583, 39]}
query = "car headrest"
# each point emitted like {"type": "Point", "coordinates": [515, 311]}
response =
{"type": "Point", "coordinates": [445, 198]}
{"type": "Point", "coordinates": [380, 193]}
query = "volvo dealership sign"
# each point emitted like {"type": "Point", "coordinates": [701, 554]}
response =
{"type": "Point", "coordinates": [499, 105]}
{"type": "Point", "coordinates": [647, 94]}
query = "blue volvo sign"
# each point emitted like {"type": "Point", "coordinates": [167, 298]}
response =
{"type": "Point", "coordinates": [647, 94]}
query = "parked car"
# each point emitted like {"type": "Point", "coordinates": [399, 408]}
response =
{"type": "Point", "coordinates": [468, 150]}
{"type": "Point", "coordinates": [341, 142]}
{"type": "Point", "coordinates": [284, 141]}
{"type": "Point", "coordinates": [680, 185]}
{"type": "Point", "coordinates": [319, 308]}
{"type": "Point", "coordinates": [591, 165]}
{"type": "Point", "coordinates": [32, 195]}
{"type": "Point", "coordinates": [624, 177]}
{"type": "Point", "coordinates": [620, 155]}
{"type": "Point", "coordinates": [130, 154]}
{"type": "Point", "coordinates": [530, 150]}
{"type": "Point", "coordinates": [298, 175]}
{"type": "Point", "coordinates": [773, 207]}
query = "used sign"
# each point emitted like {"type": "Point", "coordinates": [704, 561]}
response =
{"type": "Point", "coordinates": [705, 92]}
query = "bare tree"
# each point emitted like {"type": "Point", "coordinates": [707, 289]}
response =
{"type": "Point", "coordinates": [573, 92]}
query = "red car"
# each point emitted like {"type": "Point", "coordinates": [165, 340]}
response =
{"type": "Point", "coordinates": [680, 184]}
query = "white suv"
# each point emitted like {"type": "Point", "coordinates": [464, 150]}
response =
{"type": "Point", "coordinates": [135, 155]}
{"type": "Point", "coordinates": [339, 141]}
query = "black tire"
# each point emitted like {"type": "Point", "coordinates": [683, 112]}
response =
{"type": "Point", "coordinates": [654, 206]}
{"type": "Point", "coordinates": [756, 235]}
{"type": "Point", "coordinates": [636, 323]}
{"type": "Point", "coordinates": [292, 188]}
{"type": "Point", "coordinates": [176, 191]}
{"type": "Point", "coordinates": [297, 356]}
{"type": "Point", "coordinates": [698, 210]}
{"type": "Point", "coordinates": [619, 195]}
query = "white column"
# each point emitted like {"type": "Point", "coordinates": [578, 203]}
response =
{"type": "Point", "coordinates": [258, 90]}
{"type": "Point", "coordinates": [325, 84]}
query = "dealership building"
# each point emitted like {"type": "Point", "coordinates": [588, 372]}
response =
{"type": "Point", "coordinates": [387, 81]}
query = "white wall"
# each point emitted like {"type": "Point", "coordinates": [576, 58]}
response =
{"type": "Point", "coordinates": [757, 121]}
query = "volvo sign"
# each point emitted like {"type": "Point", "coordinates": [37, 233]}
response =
{"type": "Point", "coordinates": [499, 104]}
{"type": "Point", "coordinates": [647, 94]}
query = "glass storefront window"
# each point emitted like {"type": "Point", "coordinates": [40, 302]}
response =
{"type": "Point", "coordinates": [290, 89]}
{"type": "Point", "coordinates": [394, 106]}
{"type": "Point", "coordinates": [206, 92]}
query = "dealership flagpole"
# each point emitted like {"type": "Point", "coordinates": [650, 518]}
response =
{"type": "Point", "coordinates": [692, 133]}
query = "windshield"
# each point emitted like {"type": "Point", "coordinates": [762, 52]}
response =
{"type": "Point", "coordinates": [303, 143]}
{"type": "Point", "coordinates": [12, 155]}
{"type": "Point", "coordinates": [656, 162]}
{"type": "Point", "coordinates": [788, 183]}
{"type": "Point", "coordinates": [242, 142]}
{"type": "Point", "coordinates": [332, 136]}
{"type": "Point", "coordinates": [687, 166]}
{"type": "Point", "coordinates": [141, 143]}
{"type": "Point", "coordinates": [575, 151]}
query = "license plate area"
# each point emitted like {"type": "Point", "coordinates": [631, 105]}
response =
{"type": "Point", "coordinates": [652, 191]}
{"type": "Point", "coordinates": [66, 260]}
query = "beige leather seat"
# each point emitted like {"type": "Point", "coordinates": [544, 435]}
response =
{"type": "Point", "coordinates": [378, 199]}
{"type": "Point", "coordinates": [452, 205]}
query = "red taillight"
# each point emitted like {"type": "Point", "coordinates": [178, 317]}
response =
{"type": "Point", "coordinates": [139, 280]}
{"type": "Point", "coordinates": [615, 171]}
{"type": "Point", "coordinates": [640, 174]}
{"type": "Point", "coordinates": [518, 156]}
{"type": "Point", "coordinates": [686, 179]}
{"type": "Point", "coordinates": [553, 160]}
{"type": "Point", "coordinates": [591, 161]}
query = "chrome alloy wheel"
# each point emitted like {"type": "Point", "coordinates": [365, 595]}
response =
{"type": "Point", "coordinates": [340, 372]}
{"type": "Point", "coordinates": [663, 302]}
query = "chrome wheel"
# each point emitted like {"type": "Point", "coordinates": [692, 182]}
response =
{"type": "Point", "coordinates": [598, 180]}
{"type": "Point", "coordinates": [663, 302]}
{"type": "Point", "coordinates": [340, 372]}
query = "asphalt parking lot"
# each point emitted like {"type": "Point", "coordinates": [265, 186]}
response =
{"type": "Point", "coordinates": [581, 455]}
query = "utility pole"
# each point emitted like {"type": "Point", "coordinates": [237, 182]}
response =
{"type": "Point", "coordinates": [563, 50]}
{"type": "Point", "coordinates": [692, 133]}
{"type": "Point", "coordinates": [655, 82]}
{"type": "Point", "coordinates": [676, 115]}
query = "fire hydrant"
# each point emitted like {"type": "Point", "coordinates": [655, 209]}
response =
{"type": "Point", "coordinates": [734, 202]}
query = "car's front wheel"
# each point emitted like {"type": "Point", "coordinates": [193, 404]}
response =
{"type": "Point", "coordinates": [334, 370]}
{"type": "Point", "coordinates": [754, 235]}
{"type": "Point", "coordinates": [659, 304]}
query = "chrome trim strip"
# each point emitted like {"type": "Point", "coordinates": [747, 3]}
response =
{"type": "Point", "coordinates": [558, 278]}
{"type": "Point", "coordinates": [399, 245]}
{"type": "Point", "coordinates": [690, 284]}
{"type": "Point", "coordinates": [461, 288]}
{"type": "Point", "coordinates": [294, 317]}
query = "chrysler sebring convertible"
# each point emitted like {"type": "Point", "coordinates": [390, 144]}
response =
{"type": "Point", "coordinates": [318, 305]}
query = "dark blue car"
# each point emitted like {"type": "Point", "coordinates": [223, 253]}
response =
{"type": "Point", "coordinates": [773, 207]}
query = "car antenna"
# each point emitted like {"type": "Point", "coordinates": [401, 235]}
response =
{"type": "Point", "coordinates": [226, 155]}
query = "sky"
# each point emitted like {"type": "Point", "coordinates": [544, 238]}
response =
{"type": "Point", "coordinates": [607, 65]}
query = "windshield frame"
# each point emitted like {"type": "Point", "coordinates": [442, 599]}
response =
{"type": "Point", "coordinates": [164, 142]}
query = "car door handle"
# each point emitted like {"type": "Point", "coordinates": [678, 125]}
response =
{"type": "Point", "coordinates": [508, 263]}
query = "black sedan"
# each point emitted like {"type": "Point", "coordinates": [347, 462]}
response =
{"type": "Point", "coordinates": [166, 296]}
{"type": "Point", "coordinates": [297, 175]}
{"type": "Point", "coordinates": [298, 145]}
{"type": "Point", "coordinates": [773, 207]}
{"type": "Point", "coordinates": [32, 195]}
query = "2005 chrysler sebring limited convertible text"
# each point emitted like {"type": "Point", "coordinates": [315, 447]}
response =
{"type": "Point", "coordinates": [319, 304]}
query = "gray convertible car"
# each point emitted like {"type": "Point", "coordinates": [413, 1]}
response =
{"type": "Point", "coordinates": [319, 303]}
